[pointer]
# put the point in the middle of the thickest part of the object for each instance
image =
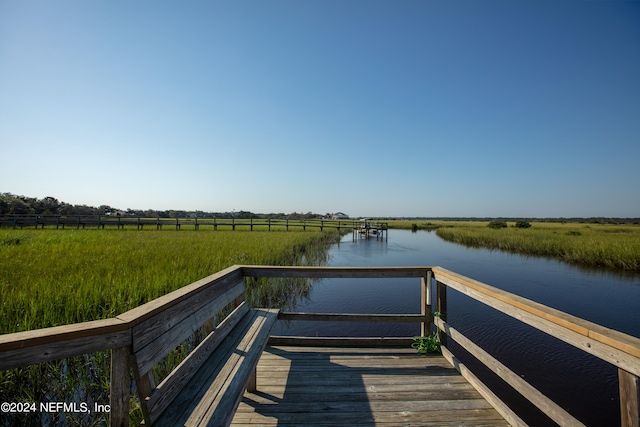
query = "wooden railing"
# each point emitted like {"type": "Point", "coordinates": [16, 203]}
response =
{"type": "Point", "coordinates": [621, 350]}
{"type": "Point", "coordinates": [102, 221]}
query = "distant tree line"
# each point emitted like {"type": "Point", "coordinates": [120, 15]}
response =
{"type": "Point", "coordinates": [583, 220]}
{"type": "Point", "coordinates": [11, 204]}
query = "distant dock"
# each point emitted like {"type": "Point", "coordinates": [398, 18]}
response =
{"type": "Point", "coordinates": [366, 229]}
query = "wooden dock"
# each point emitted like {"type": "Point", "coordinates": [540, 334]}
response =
{"type": "Point", "coordinates": [361, 387]}
{"type": "Point", "coordinates": [366, 229]}
{"type": "Point", "coordinates": [215, 224]}
{"type": "Point", "coordinates": [313, 380]}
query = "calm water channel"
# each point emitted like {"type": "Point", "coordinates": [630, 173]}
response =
{"type": "Point", "coordinates": [585, 386]}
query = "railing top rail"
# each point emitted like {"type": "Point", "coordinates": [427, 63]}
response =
{"type": "Point", "coordinates": [611, 341]}
{"type": "Point", "coordinates": [609, 337]}
{"type": "Point", "coordinates": [145, 311]}
{"type": "Point", "coordinates": [123, 321]}
{"type": "Point", "coordinates": [61, 333]}
{"type": "Point", "coordinates": [333, 272]}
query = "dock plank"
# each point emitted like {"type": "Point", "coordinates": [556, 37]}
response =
{"type": "Point", "coordinates": [360, 386]}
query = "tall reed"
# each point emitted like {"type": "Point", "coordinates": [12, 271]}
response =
{"type": "Point", "coordinates": [54, 277]}
{"type": "Point", "coordinates": [597, 245]}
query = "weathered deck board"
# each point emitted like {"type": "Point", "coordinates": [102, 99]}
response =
{"type": "Point", "coordinates": [361, 386]}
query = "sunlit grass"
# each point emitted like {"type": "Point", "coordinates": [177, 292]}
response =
{"type": "Point", "coordinates": [54, 277]}
{"type": "Point", "coordinates": [600, 245]}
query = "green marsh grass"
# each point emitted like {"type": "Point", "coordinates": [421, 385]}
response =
{"type": "Point", "coordinates": [596, 245]}
{"type": "Point", "coordinates": [56, 277]}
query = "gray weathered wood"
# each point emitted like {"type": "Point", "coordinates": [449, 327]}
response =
{"type": "Point", "coordinates": [353, 317]}
{"type": "Point", "coordinates": [68, 346]}
{"type": "Point", "coordinates": [231, 275]}
{"type": "Point", "coordinates": [120, 392]}
{"type": "Point", "coordinates": [441, 292]}
{"type": "Point", "coordinates": [614, 347]}
{"type": "Point", "coordinates": [360, 386]}
{"type": "Point", "coordinates": [210, 398]}
{"type": "Point", "coordinates": [546, 405]}
{"type": "Point", "coordinates": [155, 350]}
{"type": "Point", "coordinates": [425, 303]}
{"type": "Point", "coordinates": [156, 324]}
{"type": "Point", "coordinates": [172, 385]}
{"type": "Point", "coordinates": [629, 399]}
{"type": "Point", "coordinates": [57, 334]}
{"type": "Point", "coordinates": [332, 272]}
{"type": "Point", "coordinates": [153, 328]}
{"type": "Point", "coordinates": [508, 414]}
{"type": "Point", "coordinates": [341, 341]}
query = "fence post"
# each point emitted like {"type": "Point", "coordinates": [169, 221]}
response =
{"type": "Point", "coordinates": [425, 303]}
{"type": "Point", "coordinates": [120, 386]}
{"type": "Point", "coordinates": [442, 309]}
{"type": "Point", "coordinates": [629, 399]}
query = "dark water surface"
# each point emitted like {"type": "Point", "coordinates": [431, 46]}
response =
{"type": "Point", "coordinates": [582, 384]}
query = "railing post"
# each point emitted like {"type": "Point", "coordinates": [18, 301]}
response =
{"type": "Point", "coordinates": [629, 399]}
{"type": "Point", "coordinates": [425, 303]}
{"type": "Point", "coordinates": [120, 386]}
{"type": "Point", "coordinates": [442, 309]}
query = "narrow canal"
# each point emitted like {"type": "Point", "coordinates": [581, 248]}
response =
{"type": "Point", "coordinates": [583, 385]}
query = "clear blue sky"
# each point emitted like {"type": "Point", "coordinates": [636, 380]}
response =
{"type": "Point", "coordinates": [372, 108]}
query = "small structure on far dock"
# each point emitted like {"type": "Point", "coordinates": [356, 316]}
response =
{"type": "Point", "coordinates": [366, 229]}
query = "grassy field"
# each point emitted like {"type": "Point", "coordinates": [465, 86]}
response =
{"type": "Point", "coordinates": [50, 277]}
{"type": "Point", "coordinates": [599, 245]}
{"type": "Point", "coordinates": [54, 277]}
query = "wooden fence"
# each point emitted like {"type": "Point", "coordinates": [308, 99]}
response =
{"type": "Point", "coordinates": [620, 350]}
{"type": "Point", "coordinates": [120, 222]}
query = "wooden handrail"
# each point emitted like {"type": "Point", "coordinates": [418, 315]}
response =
{"type": "Point", "coordinates": [115, 334]}
{"type": "Point", "coordinates": [312, 272]}
{"type": "Point", "coordinates": [610, 345]}
{"type": "Point", "coordinates": [615, 340]}
{"type": "Point", "coordinates": [617, 348]}
{"type": "Point", "coordinates": [49, 344]}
